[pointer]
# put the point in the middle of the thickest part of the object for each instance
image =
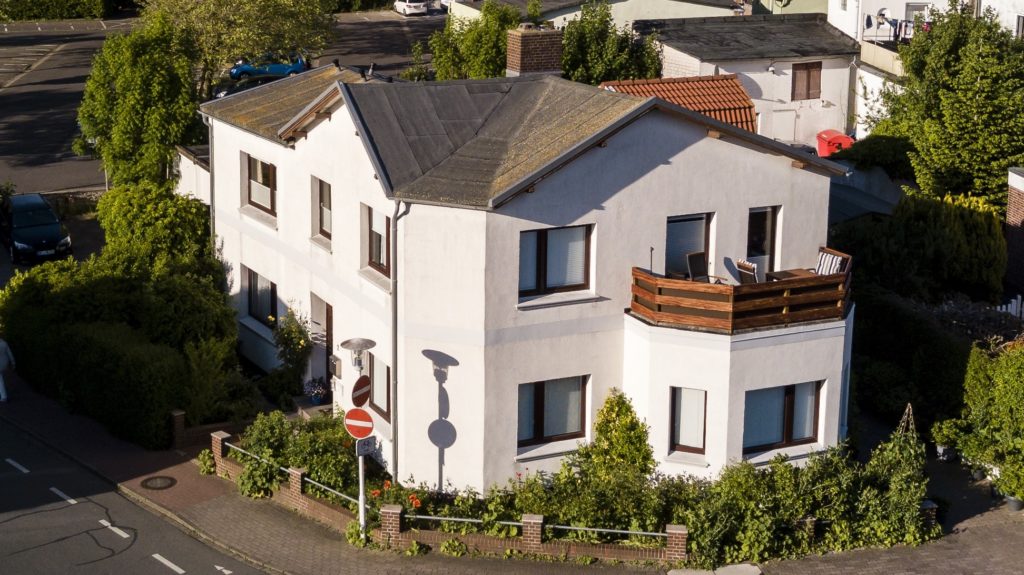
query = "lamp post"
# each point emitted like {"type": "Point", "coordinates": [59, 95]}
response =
{"type": "Point", "coordinates": [358, 347]}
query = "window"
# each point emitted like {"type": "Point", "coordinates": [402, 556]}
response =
{"type": "Point", "coordinates": [262, 185]}
{"type": "Point", "coordinates": [781, 416]}
{"type": "Point", "coordinates": [684, 235]}
{"type": "Point", "coordinates": [688, 414]}
{"type": "Point", "coordinates": [378, 241]}
{"type": "Point", "coordinates": [554, 260]}
{"type": "Point", "coordinates": [1020, 27]}
{"type": "Point", "coordinates": [323, 199]}
{"type": "Point", "coordinates": [552, 410]}
{"type": "Point", "coordinates": [380, 386]}
{"type": "Point", "coordinates": [262, 299]}
{"type": "Point", "coordinates": [761, 239]}
{"type": "Point", "coordinates": [806, 81]}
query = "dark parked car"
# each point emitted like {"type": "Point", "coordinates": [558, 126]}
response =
{"type": "Point", "coordinates": [269, 65]}
{"type": "Point", "coordinates": [31, 230]}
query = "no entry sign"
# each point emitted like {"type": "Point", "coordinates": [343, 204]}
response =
{"type": "Point", "coordinates": [361, 391]}
{"type": "Point", "coordinates": [358, 423]}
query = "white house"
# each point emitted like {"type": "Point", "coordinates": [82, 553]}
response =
{"type": "Point", "coordinates": [624, 12]}
{"type": "Point", "coordinates": [1010, 13]}
{"type": "Point", "coordinates": [515, 247]}
{"type": "Point", "coordinates": [796, 67]}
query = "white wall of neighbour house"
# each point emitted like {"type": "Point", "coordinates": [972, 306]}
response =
{"type": "Point", "coordinates": [624, 12]}
{"type": "Point", "coordinates": [193, 180]}
{"type": "Point", "coordinates": [653, 169]}
{"type": "Point", "coordinates": [676, 64]}
{"type": "Point", "coordinates": [1007, 11]}
{"type": "Point", "coordinates": [868, 101]}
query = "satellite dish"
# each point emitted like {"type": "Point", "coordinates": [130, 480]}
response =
{"type": "Point", "coordinates": [883, 14]}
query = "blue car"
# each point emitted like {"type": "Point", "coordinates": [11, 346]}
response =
{"type": "Point", "coordinates": [276, 65]}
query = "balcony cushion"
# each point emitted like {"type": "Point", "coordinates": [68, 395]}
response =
{"type": "Point", "coordinates": [828, 264]}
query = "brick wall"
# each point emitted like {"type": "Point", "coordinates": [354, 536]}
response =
{"type": "Point", "coordinates": [533, 51]}
{"type": "Point", "coordinates": [1015, 237]}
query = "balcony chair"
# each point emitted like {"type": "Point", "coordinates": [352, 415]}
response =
{"type": "Point", "coordinates": [747, 271]}
{"type": "Point", "coordinates": [831, 262]}
{"type": "Point", "coordinates": [698, 263]}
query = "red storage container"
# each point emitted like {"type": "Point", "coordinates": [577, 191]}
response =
{"type": "Point", "coordinates": [831, 141]}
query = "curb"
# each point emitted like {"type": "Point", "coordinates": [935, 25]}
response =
{"type": "Point", "coordinates": [142, 501]}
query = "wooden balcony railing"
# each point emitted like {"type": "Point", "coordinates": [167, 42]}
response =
{"type": "Point", "coordinates": [721, 308]}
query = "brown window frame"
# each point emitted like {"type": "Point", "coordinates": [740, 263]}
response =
{"type": "Point", "coordinates": [385, 267]}
{"type": "Point", "coordinates": [385, 411]}
{"type": "Point", "coordinates": [252, 169]}
{"type": "Point", "coordinates": [320, 208]}
{"type": "Point", "coordinates": [806, 81]}
{"type": "Point", "coordinates": [542, 262]}
{"type": "Point", "coordinates": [673, 441]}
{"type": "Point", "coordinates": [253, 303]}
{"type": "Point", "coordinates": [787, 422]}
{"type": "Point", "coordinates": [538, 436]}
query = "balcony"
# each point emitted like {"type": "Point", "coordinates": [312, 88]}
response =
{"type": "Point", "coordinates": [882, 57]}
{"type": "Point", "coordinates": [728, 309]}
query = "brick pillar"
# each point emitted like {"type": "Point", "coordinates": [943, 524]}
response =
{"type": "Point", "coordinates": [676, 548]}
{"type": "Point", "coordinates": [391, 524]}
{"type": "Point", "coordinates": [533, 532]}
{"type": "Point", "coordinates": [532, 50]}
{"type": "Point", "coordinates": [1015, 233]}
{"type": "Point", "coordinates": [296, 475]}
{"type": "Point", "coordinates": [217, 445]}
{"type": "Point", "coordinates": [178, 428]}
{"type": "Point", "coordinates": [928, 512]}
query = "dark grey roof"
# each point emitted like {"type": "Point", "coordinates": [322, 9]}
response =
{"type": "Point", "coordinates": [1018, 171]}
{"type": "Point", "coordinates": [469, 142]}
{"type": "Point", "coordinates": [547, 6]}
{"type": "Point", "coordinates": [263, 110]}
{"type": "Point", "coordinates": [726, 38]}
{"type": "Point", "coordinates": [199, 154]}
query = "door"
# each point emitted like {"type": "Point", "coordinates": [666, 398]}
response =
{"type": "Point", "coordinates": [761, 239]}
{"type": "Point", "coordinates": [684, 234]}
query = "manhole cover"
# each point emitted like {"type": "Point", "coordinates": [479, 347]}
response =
{"type": "Point", "coordinates": [159, 482]}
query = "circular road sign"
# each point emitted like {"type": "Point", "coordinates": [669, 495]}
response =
{"type": "Point", "coordinates": [361, 391]}
{"type": "Point", "coordinates": [358, 423]}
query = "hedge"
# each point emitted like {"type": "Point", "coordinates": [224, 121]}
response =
{"type": "Point", "coordinates": [56, 9]}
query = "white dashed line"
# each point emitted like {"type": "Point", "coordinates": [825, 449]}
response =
{"type": "Point", "coordinates": [16, 465]}
{"type": "Point", "coordinates": [107, 524]}
{"type": "Point", "coordinates": [63, 495]}
{"type": "Point", "coordinates": [170, 565]}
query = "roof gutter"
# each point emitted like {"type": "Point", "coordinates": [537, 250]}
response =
{"type": "Point", "coordinates": [213, 227]}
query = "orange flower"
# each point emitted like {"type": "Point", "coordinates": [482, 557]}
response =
{"type": "Point", "coordinates": [387, 484]}
{"type": "Point", "coordinates": [375, 493]}
{"type": "Point", "coordinates": [416, 504]}
{"type": "Point", "coordinates": [412, 497]}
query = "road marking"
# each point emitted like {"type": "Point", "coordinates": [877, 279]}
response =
{"type": "Point", "coordinates": [38, 63]}
{"type": "Point", "coordinates": [63, 495]}
{"type": "Point", "coordinates": [16, 465]}
{"type": "Point", "coordinates": [170, 565]}
{"type": "Point", "coordinates": [223, 570]}
{"type": "Point", "coordinates": [107, 524]}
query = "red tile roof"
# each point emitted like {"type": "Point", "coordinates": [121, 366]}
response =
{"type": "Point", "coordinates": [722, 97]}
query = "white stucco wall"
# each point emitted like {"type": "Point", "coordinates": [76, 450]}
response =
{"type": "Point", "coordinates": [780, 117]}
{"type": "Point", "coordinates": [868, 100]}
{"type": "Point", "coordinates": [193, 180]}
{"type": "Point", "coordinates": [1006, 11]}
{"type": "Point", "coordinates": [458, 280]}
{"type": "Point", "coordinates": [853, 19]}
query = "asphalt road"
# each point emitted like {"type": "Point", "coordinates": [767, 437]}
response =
{"type": "Point", "coordinates": [56, 517]}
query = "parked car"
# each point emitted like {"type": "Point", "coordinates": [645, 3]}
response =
{"type": "Point", "coordinates": [31, 230]}
{"type": "Point", "coordinates": [406, 7]}
{"type": "Point", "coordinates": [242, 85]}
{"type": "Point", "coordinates": [276, 65]}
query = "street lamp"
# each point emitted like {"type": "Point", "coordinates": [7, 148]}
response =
{"type": "Point", "coordinates": [357, 346]}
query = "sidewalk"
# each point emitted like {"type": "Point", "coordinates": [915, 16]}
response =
{"type": "Point", "coordinates": [210, 508]}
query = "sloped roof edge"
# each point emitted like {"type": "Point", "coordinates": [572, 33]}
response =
{"type": "Point", "coordinates": [326, 98]}
{"type": "Point", "coordinates": [367, 139]}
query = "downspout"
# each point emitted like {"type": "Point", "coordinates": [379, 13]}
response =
{"type": "Point", "coordinates": [393, 256]}
{"type": "Point", "coordinates": [209, 161]}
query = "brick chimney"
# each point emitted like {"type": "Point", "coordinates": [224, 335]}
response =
{"type": "Point", "coordinates": [1015, 229]}
{"type": "Point", "coordinates": [533, 50]}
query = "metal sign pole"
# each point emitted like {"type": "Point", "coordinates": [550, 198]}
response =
{"type": "Point", "coordinates": [362, 500]}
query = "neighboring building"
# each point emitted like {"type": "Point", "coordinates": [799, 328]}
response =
{"type": "Point", "coordinates": [1010, 13]}
{"type": "Point", "coordinates": [193, 172]}
{"type": "Point", "coordinates": [800, 79]}
{"type": "Point", "coordinates": [720, 97]}
{"type": "Point", "coordinates": [790, 6]}
{"type": "Point", "coordinates": [1015, 229]}
{"type": "Point", "coordinates": [510, 222]}
{"type": "Point", "coordinates": [624, 12]}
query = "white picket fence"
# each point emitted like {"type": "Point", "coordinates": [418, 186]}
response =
{"type": "Point", "coordinates": [1014, 307]}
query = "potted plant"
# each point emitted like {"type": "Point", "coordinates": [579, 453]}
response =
{"type": "Point", "coordinates": [946, 434]}
{"type": "Point", "coordinates": [316, 389]}
{"type": "Point", "coordinates": [1011, 484]}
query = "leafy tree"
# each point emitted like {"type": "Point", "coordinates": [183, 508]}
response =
{"type": "Point", "coordinates": [139, 102]}
{"type": "Point", "coordinates": [418, 71]}
{"type": "Point", "coordinates": [595, 51]}
{"type": "Point", "coordinates": [474, 48]}
{"type": "Point", "coordinates": [961, 104]}
{"type": "Point", "coordinates": [227, 29]}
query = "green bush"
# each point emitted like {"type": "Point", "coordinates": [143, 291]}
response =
{"type": "Point", "coordinates": [454, 548]}
{"type": "Point", "coordinates": [261, 475]}
{"type": "Point", "coordinates": [891, 153]}
{"type": "Point", "coordinates": [57, 9]}
{"type": "Point", "coordinates": [207, 465]}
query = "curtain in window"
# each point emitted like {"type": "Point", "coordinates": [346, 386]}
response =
{"type": "Point", "coordinates": [264, 298]}
{"type": "Point", "coordinates": [688, 428]}
{"type": "Point", "coordinates": [763, 416]}
{"type": "Point", "coordinates": [325, 207]}
{"type": "Point", "coordinates": [803, 410]}
{"type": "Point", "coordinates": [526, 406]}
{"type": "Point", "coordinates": [562, 399]}
{"type": "Point", "coordinates": [527, 261]}
{"type": "Point", "coordinates": [684, 235]}
{"type": "Point", "coordinates": [566, 254]}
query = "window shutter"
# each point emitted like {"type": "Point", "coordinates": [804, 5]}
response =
{"type": "Point", "coordinates": [562, 404]}
{"type": "Point", "coordinates": [814, 81]}
{"type": "Point", "coordinates": [566, 256]}
{"type": "Point", "coordinates": [799, 82]}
